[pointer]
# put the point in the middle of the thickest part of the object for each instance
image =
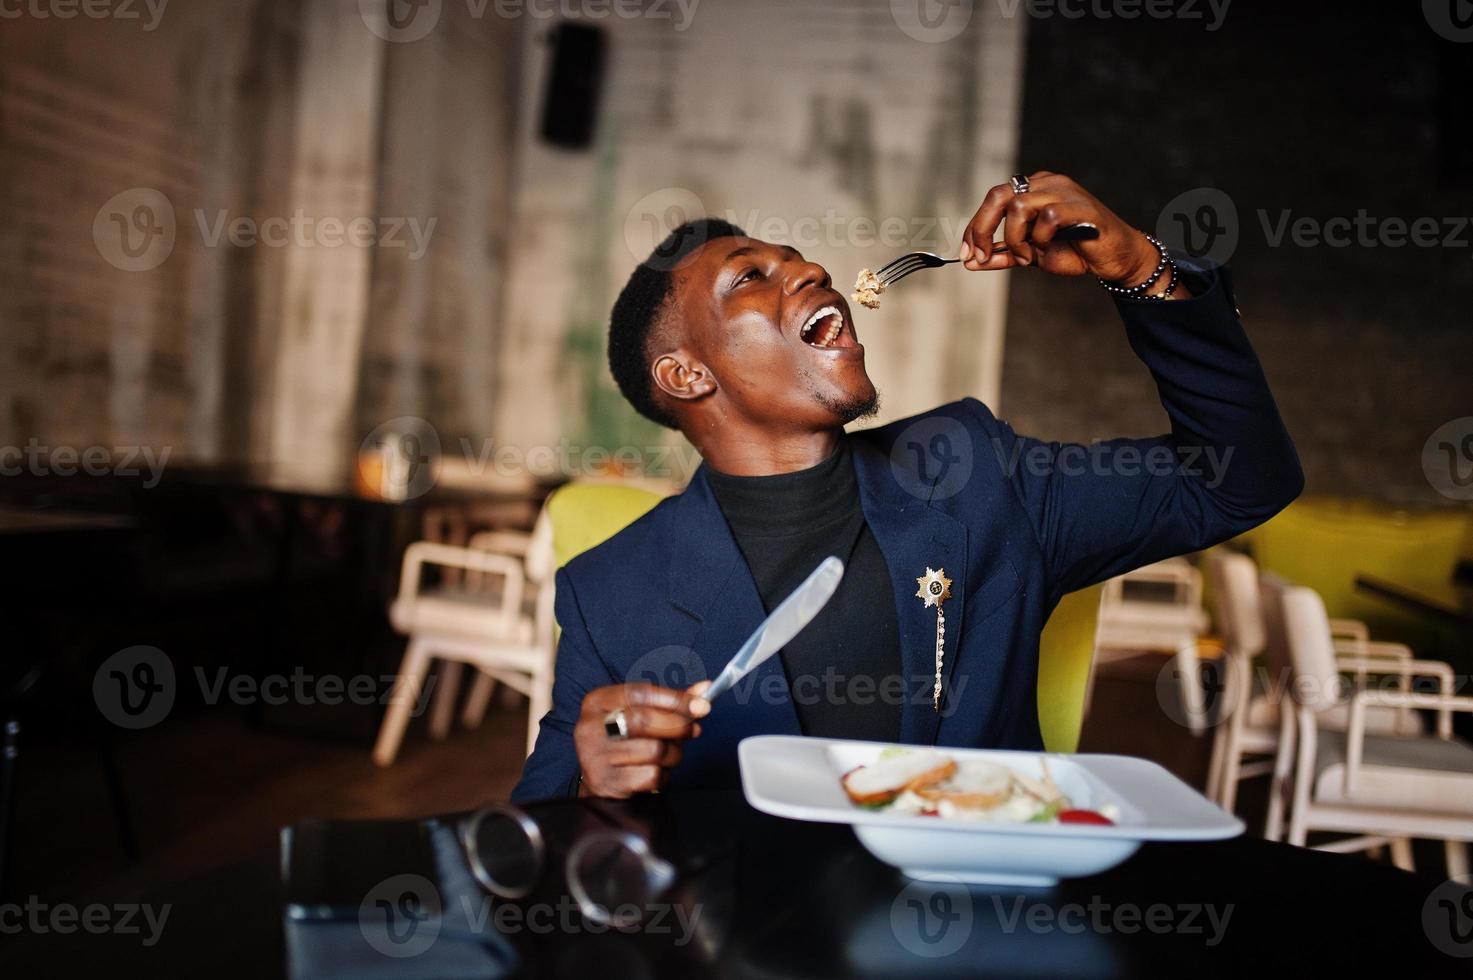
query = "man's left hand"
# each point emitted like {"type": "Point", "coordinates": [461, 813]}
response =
{"type": "Point", "coordinates": [1031, 220]}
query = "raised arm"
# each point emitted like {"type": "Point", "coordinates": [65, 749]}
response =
{"type": "Point", "coordinates": [1228, 463]}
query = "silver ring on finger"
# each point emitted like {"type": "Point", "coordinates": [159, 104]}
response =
{"type": "Point", "coordinates": [1020, 184]}
{"type": "Point", "coordinates": [616, 725]}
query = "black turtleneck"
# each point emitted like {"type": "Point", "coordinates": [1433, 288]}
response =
{"type": "Point", "coordinates": [844, 669]}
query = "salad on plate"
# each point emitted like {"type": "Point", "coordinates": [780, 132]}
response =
{"type": "Point", "coordinates": [931, 783]}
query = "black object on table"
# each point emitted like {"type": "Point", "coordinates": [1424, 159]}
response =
{"type": "Point", "coordinates": [798, 899]}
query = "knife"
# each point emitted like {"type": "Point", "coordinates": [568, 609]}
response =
{"type": "Point", "coordinates": [787, 621]}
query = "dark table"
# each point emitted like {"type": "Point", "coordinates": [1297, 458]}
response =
{"type": "Point", "coordinates": [380, 528]}
{"type": "Point", "coordinates": [1451, 605]}
{"type": "Point", "coordinates": [19, 522]}
{"type": "Point", "coordinates": [794, 899]}
{"type": "Point", "coordinates": [54, 558]}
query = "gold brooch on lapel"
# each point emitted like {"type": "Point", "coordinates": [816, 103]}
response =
{"type": "Point", "coordinates": [935, 588]}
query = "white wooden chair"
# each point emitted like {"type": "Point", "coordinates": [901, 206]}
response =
{"type": "Point", "coordinates": [1382, 788]}
{"type": "Point", "coordinates": [1350, 641]}
{"type": "Point", "coordinates": [495, 615]}
{"type": "Point", "coordinates": [1239, 619]}
{"type": "Point", "coordinates": [1255, 674]}
{"type": "Point", "coordinates": [1156, 608]}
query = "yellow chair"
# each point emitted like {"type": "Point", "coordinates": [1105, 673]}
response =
{"type": "Point", "coordinates": [1064, 652]}
{"type": "Point", "coordinates": [587, 514]}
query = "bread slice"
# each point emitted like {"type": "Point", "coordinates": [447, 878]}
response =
{"type": "Point", "coordinates": [975, 785]}
{"type": "Point", "coordinates": [888, 777]}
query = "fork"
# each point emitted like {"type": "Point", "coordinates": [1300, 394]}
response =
{"type": "Point", "coordinates": [910, 262]}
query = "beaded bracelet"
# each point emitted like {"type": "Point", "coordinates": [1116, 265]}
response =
{"type": "Point", "coordinates": [1170, 285]}
{"type": "Point", "coordinates": [1137, 290]}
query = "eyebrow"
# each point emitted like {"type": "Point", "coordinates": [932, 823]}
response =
{"type": "Point", "coordinates": [787, 250]}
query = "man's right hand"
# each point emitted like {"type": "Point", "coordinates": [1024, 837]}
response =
{"type": "Point", "coordinates": [659, 720]}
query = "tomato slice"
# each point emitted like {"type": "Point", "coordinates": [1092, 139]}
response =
{"type": "Point", "coordinates": [1084, 816]}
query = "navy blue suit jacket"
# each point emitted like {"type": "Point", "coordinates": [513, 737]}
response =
{"type": "Point", "coordinates": [1015, 522]}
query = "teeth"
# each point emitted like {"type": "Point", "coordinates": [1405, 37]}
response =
{"type": "Point", "coordinates": [831, 334]}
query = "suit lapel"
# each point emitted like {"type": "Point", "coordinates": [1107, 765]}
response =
{"type": "Point", "coordinates": [913, 536]}
{"type": "Point", "coordinates": [709, 581]}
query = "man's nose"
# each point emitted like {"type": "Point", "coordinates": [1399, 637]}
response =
{"type": "Point", "coordinates": [803, 274]}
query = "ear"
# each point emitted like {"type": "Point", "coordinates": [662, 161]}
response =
{"type": "Point", "coordinates": [681, 376]}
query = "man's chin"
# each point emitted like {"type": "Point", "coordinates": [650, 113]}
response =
{"type": "Point", "coordinates": [852, 406]}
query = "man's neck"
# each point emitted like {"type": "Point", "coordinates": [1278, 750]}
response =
{"type": "Point", "coordinates": [762, 454]}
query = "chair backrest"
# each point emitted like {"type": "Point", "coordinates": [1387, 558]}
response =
{"type": "Point", "coordinates": [541, 559]}
{"type": "Point", "coordinates": [1169, 583]}
{"type": "Point", "coordinates": [1271, 589]}
{"type": "Point", "coordinates": [582, 515]}
{"type": "Point", "coordinates": [1316, 679]}
{"type": "Point", "coordinates": [1235, 601]}
{"type": "Point", "coordinates": [1065, 651]}
{"type": "Point", "coordinates": [575, 518]}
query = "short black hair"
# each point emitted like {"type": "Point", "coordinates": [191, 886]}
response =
{"type": "Point", "coordinates": [640, 306]}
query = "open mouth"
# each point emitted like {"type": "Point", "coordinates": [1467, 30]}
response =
{"type": "Point", "coordinates": [827, 328]}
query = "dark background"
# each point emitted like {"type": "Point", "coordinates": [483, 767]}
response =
{"type": "Point", "coordinates": [1316, 109]}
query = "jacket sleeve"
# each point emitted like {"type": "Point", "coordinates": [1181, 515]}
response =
{"type": "Point", "coordinates": [552, 768]}
{"type": "Point", "coordinates": [1227, 465]}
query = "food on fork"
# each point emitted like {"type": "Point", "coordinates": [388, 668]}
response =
{"type": "Point", "coordinates": [867, 289]}
{"type": "Point", "coordinates": [891, 775]}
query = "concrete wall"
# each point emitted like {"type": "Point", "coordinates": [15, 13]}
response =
{"type": "Point", "coordinates": [841, 128]}
{"type": "Point", "coordinates": [145, 162]}
{"type": "Point", "coordinates": [249, 229]}
{"type": "Point", "coordinates": [119, 334]}
{"type": "Point", "coordinates": [430, 347]}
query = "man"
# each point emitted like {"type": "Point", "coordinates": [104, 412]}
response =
{"type": "Point", "coordinates": [749, 351]}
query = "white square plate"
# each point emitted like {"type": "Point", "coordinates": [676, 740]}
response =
{"type": "Point", "coordinates": [796, 777]}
